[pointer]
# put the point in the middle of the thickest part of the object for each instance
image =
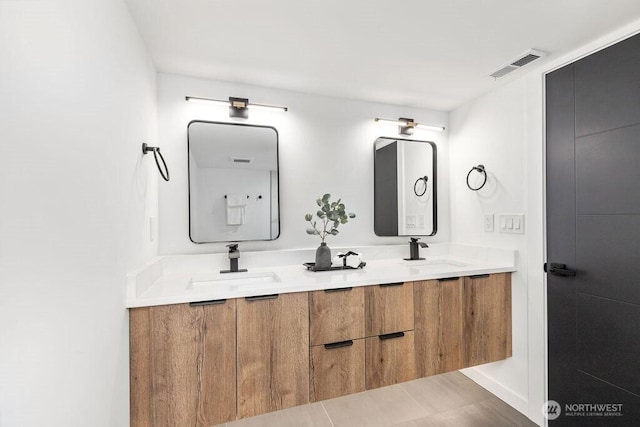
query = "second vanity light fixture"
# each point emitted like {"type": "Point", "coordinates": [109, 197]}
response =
{"type": "Point", "coordinates": [406, 126]}
{"type": "Point", "coordinates": [238, 107]}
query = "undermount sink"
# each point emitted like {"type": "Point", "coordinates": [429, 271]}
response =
{"type": "Point", "coordinates": [434, 262]}
{"type": "Point", "coordinates": [243, 278]}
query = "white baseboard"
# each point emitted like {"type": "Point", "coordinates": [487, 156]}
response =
{"type": "Point", "coordinates": [513, 399]}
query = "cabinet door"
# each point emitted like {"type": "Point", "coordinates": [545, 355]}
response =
{"type": "Point", "coordinates": [337, 369]}
{"type": "Point", "coordinates": [390, 359]}
{"type": "Point", "coordinates": [273, 353]}
{"type": "Point", "coordinates": [388, 308]}
{"type": "Point", "coordinates": [487, 318]}
{"type": "Point", "coordinates": [183, 365]}
{"type": "Point", "coordinates": [336, 315]}
{"type": "Point", "coordinates": [439, 324]}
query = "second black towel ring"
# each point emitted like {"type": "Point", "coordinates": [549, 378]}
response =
{"type": "Point", "coordinates": [479, 169]}
{"type": "Point", "coordinates": [156, 154]}
{"type": "Point", "coordinates": [415, 190]}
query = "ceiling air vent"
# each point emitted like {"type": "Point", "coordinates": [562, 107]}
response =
{"type": "Point", "coordinates": [524, 59]}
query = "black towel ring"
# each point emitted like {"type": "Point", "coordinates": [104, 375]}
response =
{"type": "Point", "coordinates": [156, 153]}
{"type": "Point", "coordinates": [479, 169]}
{"type": "Point", "coordinates": [415, 190]}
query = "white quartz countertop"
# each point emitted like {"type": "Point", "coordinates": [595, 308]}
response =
{"type": "Point", "coordinates": [177, 279]}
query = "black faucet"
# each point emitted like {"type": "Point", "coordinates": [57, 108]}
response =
{"type": "Point", "coordinates": [234, 254]}
{"type": "Point", "coordinates": [414, 249]}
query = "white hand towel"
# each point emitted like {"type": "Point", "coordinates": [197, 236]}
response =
{"type": "Point", "coordinates": [236, 206]}
{"type": "Point", "coordinates": [236, 200]}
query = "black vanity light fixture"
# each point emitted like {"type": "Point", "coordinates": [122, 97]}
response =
{"type": "Point", "coordinates": [406, 126]}
{"type": "Point", "coordinates": [238, 107]}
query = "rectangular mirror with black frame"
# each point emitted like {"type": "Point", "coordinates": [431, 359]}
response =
{"type": "Point", "coordinates": [233, 182]}
{"type": "Point", "coordinates": [405, 187]}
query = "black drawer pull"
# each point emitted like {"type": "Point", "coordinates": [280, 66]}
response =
{"type": "Point", "coordinates": [447, 279]}
{"type": "Point", "coordinates": [210, 302]}
{"type": "Point", "coordinates": [479, 276]}
{"type": "Point", "coordinates": [262, 297]}
{"type": "Point", "coordinates": [339, 344]}
{"type": "Point", "coordinates": [387, 285]}
{"type": "Point", "coordinates": [338, 290]}
{"type": "Point", "coordinates": [391, 336]}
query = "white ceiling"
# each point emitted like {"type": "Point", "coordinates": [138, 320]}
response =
{"type": "Point", "coordinates": [425, 53]}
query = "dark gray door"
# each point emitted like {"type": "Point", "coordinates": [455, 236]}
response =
{"type": "Point", "coordinates": [593, 228]}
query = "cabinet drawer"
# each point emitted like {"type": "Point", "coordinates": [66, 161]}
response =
{"type": "Point", "coordinates": [390, 359]}
{"type": "Point", "coordinates": [388, 308]}
{"type": "Point", "coordinates": [337, 369]}
{"type": "Point", "coordinates": [336, 315]}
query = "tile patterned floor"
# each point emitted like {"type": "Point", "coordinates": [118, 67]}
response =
{"type": "Point", "coordinates": [443, 400]}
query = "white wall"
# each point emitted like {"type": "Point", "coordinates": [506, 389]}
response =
{"type": "Point", "coordinates": [77, 93]}
{"type": "Point", "coordinates": [492, 131]}
{"type": "Point", "coordinates": [326, 146]}
{"type": "Point", "coordinates": [504, 130]}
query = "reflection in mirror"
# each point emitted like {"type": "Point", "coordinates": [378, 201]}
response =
{"type": "Point", "coordinates": [405, 187]}
{"type": "Point", "coordinates": [233, 182]}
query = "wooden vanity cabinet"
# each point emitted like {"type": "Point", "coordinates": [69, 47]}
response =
{"type": "Point", "coordinates": [273, 353]}
{"type": "Point", "coordinates": [487, 318]}
{"type": "Point", "coordinates": [337, 354]}
{"type": "Point", "coordinates": [207, 363]}
{"type": "Point", "coordinates": [439, 323]}
{"type": "Point", "coordinates": [183, 364]}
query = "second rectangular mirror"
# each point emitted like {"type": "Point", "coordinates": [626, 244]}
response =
{"type": "Point", "coordinates": [233, 182]}
{"type": "Point", "coordinates": [405, 187]}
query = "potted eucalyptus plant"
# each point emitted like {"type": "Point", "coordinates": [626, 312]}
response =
{"type": "Point", "coordinates": [329, 217]}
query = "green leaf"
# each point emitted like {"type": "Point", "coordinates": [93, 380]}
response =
{"type": "Point", "coordinates": [334, 232]}
{"type": "Point", "coordinates": [326, 208]}
{"type": "Point", "coordinates": [319, 202]}
{"type": "Point", "coordinates": [352, 215]}
{"type": "Point", "coordinates": [308, 217]}
{"type": "Point", "coordinates": [320, 214]}
{"type": "Point", "coordinates": [341, 206]}
{"type": "Point", "coordinates": [336, 224]}
{"type": "Point", "coordinates": [326, 197]}
{"type": "Point", "coordinates": [311, 231]}
{"type": "Point", "coordinates": [344, 221]}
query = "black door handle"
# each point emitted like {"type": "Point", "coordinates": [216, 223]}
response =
{"type": "Point", "coordinates": [559, 270]}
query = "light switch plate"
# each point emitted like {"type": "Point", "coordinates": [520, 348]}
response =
{"type": "Point", "coordinates": [511, 223]}
{"type": "Point", "coordinates": [488, 223]}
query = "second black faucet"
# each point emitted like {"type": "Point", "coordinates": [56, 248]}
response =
{"type": "Point", "coordinates": [234, 255]}
{"type": "Point", "coordinates": [414, 249]}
